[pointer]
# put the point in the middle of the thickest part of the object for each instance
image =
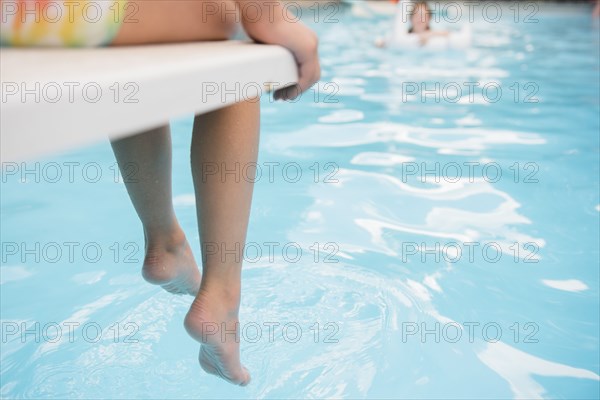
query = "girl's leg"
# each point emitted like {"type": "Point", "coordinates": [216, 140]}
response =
{"type": "Point", "coordinates": [145, 163]}
{"type": "Point", "coordinates": [169, 21]}
{"type": "Point", "coordinates": [225, 140]}
{"type": "Point", "coordinates": [169, 261]}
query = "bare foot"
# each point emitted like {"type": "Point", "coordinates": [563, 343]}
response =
{"type": "Point", "coordinates": [170, 264]}
{"type": "Point", "coordinates": [213, 321]}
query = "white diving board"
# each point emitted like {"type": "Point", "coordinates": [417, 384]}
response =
{"type": "Point", "coordinates": [57, 99]}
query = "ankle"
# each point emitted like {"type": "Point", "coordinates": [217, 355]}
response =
{"type": "Point", "coordinates": [228, 290]}
{"type": "Point", "coordinates": [169, 238]}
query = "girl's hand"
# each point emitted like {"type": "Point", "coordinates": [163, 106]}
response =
{"type": "Point", "coordinates": [307, 57]}
{"type": "Point", "coordinates": [272, 28]}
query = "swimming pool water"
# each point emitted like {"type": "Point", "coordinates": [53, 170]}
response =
{"type": "Point", "coordinates": [449, 248]}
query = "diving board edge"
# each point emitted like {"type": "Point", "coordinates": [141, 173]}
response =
{"type": "Point", "coordinates": [56, 99]}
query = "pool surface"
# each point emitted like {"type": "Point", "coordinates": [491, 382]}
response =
{"type": "Point", "coordinates": [405, 241]}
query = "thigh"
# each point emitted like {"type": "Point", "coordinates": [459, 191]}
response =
{"type": "Point", "coordinates": [166, 21]}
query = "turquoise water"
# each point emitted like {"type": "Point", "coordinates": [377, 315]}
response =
{"type": "Point", "coordinates": [401, 300]}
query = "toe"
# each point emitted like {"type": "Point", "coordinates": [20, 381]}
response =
{"type": "Point", "coordinates": [247, 378]}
